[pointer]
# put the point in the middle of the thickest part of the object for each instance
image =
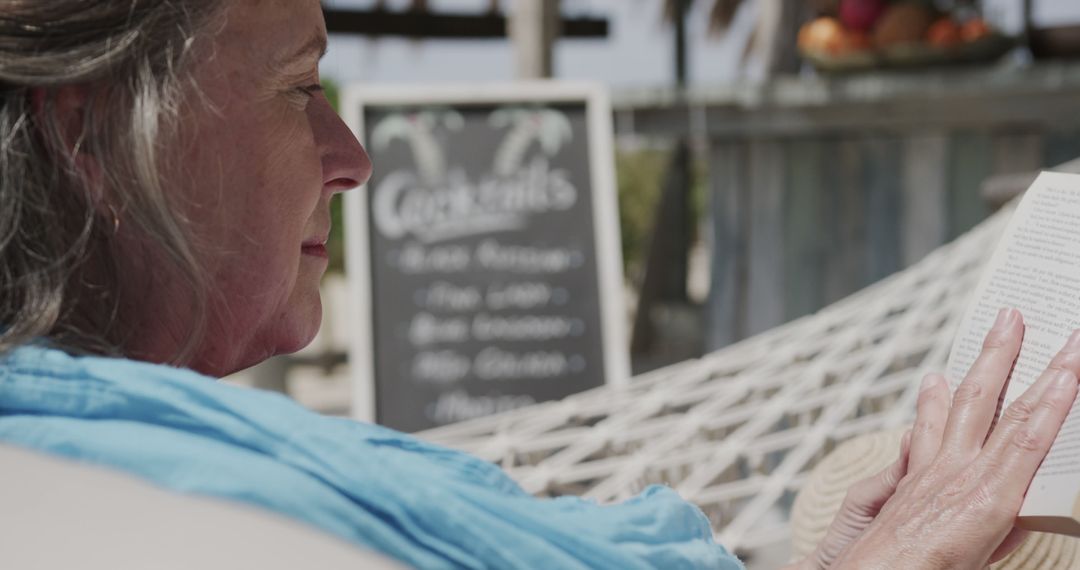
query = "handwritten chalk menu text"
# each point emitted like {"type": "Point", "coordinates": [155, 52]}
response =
{"type": "Point", "coordinates": [482, 255]}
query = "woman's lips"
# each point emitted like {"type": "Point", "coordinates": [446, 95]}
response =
{"type": "Point", "coordinates": [315, 250]}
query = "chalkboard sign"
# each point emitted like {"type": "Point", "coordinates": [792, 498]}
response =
{"type": "Point", "coordinates": [484, 252]}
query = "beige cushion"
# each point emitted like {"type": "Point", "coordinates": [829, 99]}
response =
{"type": "Point", "coordinates": [58, 514]}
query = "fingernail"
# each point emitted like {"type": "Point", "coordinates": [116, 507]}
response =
{"type": "Point", "coordinates": [1005, 318]}
{"type": "Point", "coordinates": [928, 382]}
{"type": "Point", "coordinates": [1073, 344]}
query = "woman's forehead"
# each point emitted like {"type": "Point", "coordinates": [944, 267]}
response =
{"type": "Point", "coordinates": [309, 51]}
{"type": "Point", "coordinates": [277, 32]}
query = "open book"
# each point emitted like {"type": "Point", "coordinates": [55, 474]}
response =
{"type": "Point", "coordinates": [1036, 269]}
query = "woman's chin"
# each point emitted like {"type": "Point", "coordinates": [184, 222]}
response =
{"type": "Point", "coordinates": [298, 334]}
{"type": "Point", "coordinates": [284, 341]}
{"type": "Point", "coordinates": [235, 347]}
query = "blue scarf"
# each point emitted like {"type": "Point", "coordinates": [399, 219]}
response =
{"type": "Point", "coordinates": [425, 505]}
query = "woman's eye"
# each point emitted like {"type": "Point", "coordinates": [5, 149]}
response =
{"type": "Point", "coordinates": [311, 90]}
{"type": "Point", "coordinates": [305, 93]}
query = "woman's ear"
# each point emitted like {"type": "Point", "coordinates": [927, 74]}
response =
{"type": "Point", "coordinates": [61, 113]}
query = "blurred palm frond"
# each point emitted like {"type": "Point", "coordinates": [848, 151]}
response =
{"type": "Point", "coordinates": [722, 13]}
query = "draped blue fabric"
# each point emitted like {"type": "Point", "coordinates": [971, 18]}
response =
{"type": "Point", "coordinates": [425, 505]}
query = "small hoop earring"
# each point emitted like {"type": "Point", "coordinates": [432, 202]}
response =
{"type": "Point", "coordinates": [115, 219]}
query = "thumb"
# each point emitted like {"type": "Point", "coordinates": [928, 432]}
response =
{"type": "Point", "coordinates": [861, 505]}
{"type": "Point", "coordinates": [869, 495]}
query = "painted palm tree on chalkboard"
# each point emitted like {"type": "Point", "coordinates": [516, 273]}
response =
{"type": "Point", "coordinates": [418, 129]}
{"type": "Point", "coordinates": [550, 128]}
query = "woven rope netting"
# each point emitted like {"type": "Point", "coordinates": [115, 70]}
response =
{"type": "Point", "coordinates": [737, 431]}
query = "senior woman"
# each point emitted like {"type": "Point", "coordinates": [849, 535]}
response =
{"type": "Point", "coordinates": [165, 176]}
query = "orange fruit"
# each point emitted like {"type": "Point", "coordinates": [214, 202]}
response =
{"type": "Point", "coordinates": [903, 23]}
{"type": "Point", "coordinates": [944, 33]}
{"type": "Point", "coordinates": [827, 36]}
{"type": "Point", "coordinates": [823, 35]}
{"type": "Point", "coordinates": [857, 42]}
{"type": "Point", "coordinates": [975, 29]}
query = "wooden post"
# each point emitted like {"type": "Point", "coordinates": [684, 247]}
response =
{"type": "Point", "coordinates": [665, 266]}
{"type": "Point", "coordinates": [778, 29]}
{"type": "Point", "coordinates": [681, 74]}
{"type": "Point", "coordinates": [1029, 9]}
{"type": "Point", "coordinates": [533, 27]}
{"type": "Point", "coordinates": [667, 261]}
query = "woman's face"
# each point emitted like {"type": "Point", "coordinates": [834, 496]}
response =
{"type": "Point", "coordinates": [262, 153]}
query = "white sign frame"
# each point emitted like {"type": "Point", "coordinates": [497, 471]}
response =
{"type": "Point", "coordinates": [608, 239]}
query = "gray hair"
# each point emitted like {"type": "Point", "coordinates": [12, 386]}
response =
{"type": "Point", "coordinates": [57, 278]}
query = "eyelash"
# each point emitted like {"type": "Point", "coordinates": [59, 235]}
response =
{"type": "Point", "coordinates": [301, 96]}
{"type": "Point", "coordinates": [310, 90]}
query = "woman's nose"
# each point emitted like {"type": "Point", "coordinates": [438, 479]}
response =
{"type": "Point", "coordinates": [345, 163]}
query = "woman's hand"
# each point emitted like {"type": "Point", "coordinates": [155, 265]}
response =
{"type": "Point", "coordinates": [861, 506]}
{"type": "Point", "coordinates": [952, 498]}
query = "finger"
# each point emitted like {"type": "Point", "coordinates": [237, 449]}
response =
{"type": "Point", "coordinates": [866, 497]}
{"type": "Point", "coordinates": [863, 502]}
{"type": "Point", "coordinates": [1029, 425]}
{"type": "Point", "coordinates": [930, 418]}
{"type": "Point", "coordinates": [975, 401]}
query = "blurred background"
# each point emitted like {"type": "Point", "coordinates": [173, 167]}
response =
{"type": "Point", "coordinates": [772, 156]}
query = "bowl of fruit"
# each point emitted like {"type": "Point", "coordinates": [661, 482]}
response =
{"type": "Point", "coordinates": [873, 34]}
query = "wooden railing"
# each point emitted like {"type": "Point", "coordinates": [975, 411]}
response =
{"type": "Point", "coordinates": [822, 186]}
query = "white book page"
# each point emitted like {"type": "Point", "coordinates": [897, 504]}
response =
{"type": "Point", "coordinates": [1036, 269]}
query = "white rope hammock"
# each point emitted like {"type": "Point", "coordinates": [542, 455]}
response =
{"type": "Point", "coordinates": [737, 431]}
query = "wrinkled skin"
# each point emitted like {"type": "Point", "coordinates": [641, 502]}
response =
{"type": "Point", "coordinates": [261, 153]}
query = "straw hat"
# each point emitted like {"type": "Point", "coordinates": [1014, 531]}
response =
{"type": "Point", "coordinates": [820, 498]}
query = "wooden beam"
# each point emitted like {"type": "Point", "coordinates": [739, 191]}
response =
{"type": "Point", "coordinates": [381, 23]}
{"type": "Point", "coordinates": [533, 27]}
{"type": "Point", "coordinates": [1043, 96]}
